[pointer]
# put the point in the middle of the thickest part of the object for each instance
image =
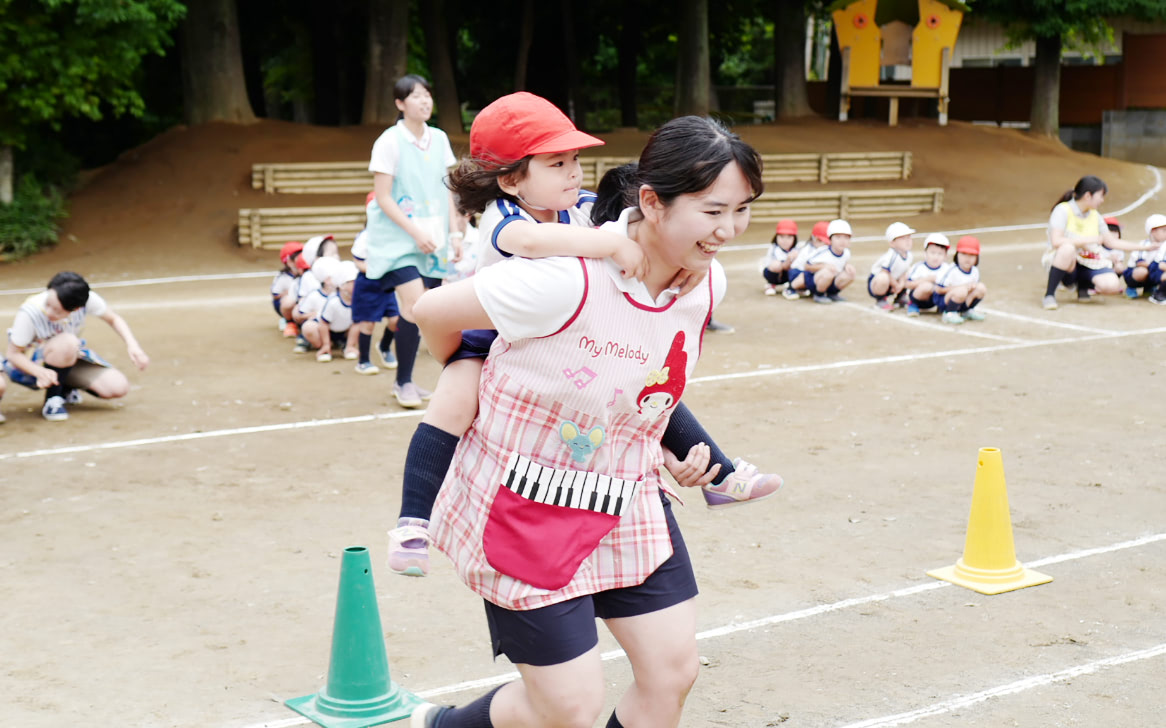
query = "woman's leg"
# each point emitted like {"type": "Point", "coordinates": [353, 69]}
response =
{"type": "Point", "coordinates": [661, 647]}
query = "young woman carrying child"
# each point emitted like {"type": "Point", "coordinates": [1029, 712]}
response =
{"type": "Point", "coordinates": [554, 510]}
{"type": "Point", "coordinates": [523, 170]}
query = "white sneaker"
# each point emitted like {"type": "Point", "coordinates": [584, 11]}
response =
{"type": "Point", "coordinates": [367, 368]}
{"type": "Point", "coordinates": [73, 396]}
{"type": "Point", "coordinates": [54, 409]}
{"type": "Point", "coordinates": [1049, 303]}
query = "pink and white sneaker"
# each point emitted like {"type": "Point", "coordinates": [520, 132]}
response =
{"type": "Point", "coordinates": [409, 547]}
{"type": "Point", "coordinates": [743, 485]}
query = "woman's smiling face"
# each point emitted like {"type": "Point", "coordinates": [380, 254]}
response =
{"type": "Point", "coordinates": [695, 226]}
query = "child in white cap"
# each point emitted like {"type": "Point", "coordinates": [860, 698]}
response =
{"type": "Point", "coordinates": [332, 325]}
{"type": "Point", "coordinates": [1143, 271]}
{"type": "Point", "coordinates": [828, 269]}
{"type": "Point", "coordinates": [920, 283]}
{"type": "Point", "coordinates": [888, 275]}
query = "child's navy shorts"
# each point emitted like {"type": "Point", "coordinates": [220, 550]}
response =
{"type": "Point", "coordinates": [475, 345]}
{"type": "Point", "coordinates": [560, 632]}
{"type": "Point", "coordinates": [372, 299]}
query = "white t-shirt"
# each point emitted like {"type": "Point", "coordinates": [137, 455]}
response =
{"type": "Point", "coordinates": [893, 262]}
{"type": "Point", "coordinates": [360, 246]}
{"type": "Point", "coordinates": [31, 324]}
{"type": "Point", "coordinates": [500, 213]}
{"type": "Point", "coordinates": [386, 155]}
{"type": "Point", "coordinates": [307, 283]}
{"type": "Point", "coordinates": [922, 270]}
{"type": "Point", "coordinates": [804, 254]}
{"type": "Point", "coordinates": [312, 303]}
{"type": "Point", "coordinates": [512, 289]}
{"type": "Point", "coordinates": [953, 276]}
{"type": "Point", "coordinates": [827, 256]}
{"type": "Point", "coordinates": [282, 283]}
{"type": "Point", "coordinates": [336, 313]}
{"type": "Point", "coordinates": [776, 254]}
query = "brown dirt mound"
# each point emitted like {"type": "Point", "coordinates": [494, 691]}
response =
{"type": "Point", "coordinates": [170, 206]}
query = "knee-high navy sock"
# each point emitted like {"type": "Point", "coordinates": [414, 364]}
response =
{"type": "Point", "coordinates": [684, 431]}
{"type": "Point", "coordinates": [58, 389]}
{"type": "Point", "coordinates": [974, 303]}
{"type": "Point", "coordinates": [363, 344]}
{"type": "Point", "coordinates": [613, 722]}
{"type": "Point", "coordinates": [1084, 283]}
{"type": "Point", "coordinates": [471, 715]}
{"type": "Point", "coordinates": [1056, 275]}
{"type": "Point", "coordinates": [408, 340]}
{"type": "Point", "coordinates": [386, 339]}
{"type": "Point", "coordinates": [430, 453]}
{"type": "Point", "coordinates": [1161, 289]}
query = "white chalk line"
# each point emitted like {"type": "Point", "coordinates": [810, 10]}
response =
{"type": "Point", "coordinates": [1044, 321]}
{"type": "Point", "coordinates": [153, 281]}
{"type": "Point", "coordinates": [172, 303]}
{"type": "Point", "coordinates": [308, 424]}
{"type": "Point", "coordinates": [816, 611]}
{"type": "Point", "coordinates": [944, 328]}
{"type": "Point", "coordinates": [1012, 688]}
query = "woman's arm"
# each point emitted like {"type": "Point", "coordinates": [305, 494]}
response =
{"type": "Point", "coordinates": [444, 312]}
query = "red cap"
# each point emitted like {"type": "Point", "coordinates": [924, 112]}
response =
{"type": "Point", "coordinates": [522, 124]}
{"type": "Point", "coordinates": [1112, 221]}
{"type": "Point", "coordinates": [372, 195]}
{"type": "Point", "coordinates": [288, 250]}
{"type": "Point", "coordinates": [302, 263]}
{"type": "Point", "coordinates": [787, 227]}
{"type": "Point", "coordinates": [968, 244]}
{"type": "Point", "coordinates": [819, 230]}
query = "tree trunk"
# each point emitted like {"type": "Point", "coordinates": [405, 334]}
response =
{"type": "Point", "coordinates": [834, 78]}
{"type": "Point", "coordinates": [575, 106]}
{"type": "Point", "coordinates": [449, 113]}
{"type": "Point", "coordinates": [212, 64]}
{"type": "Point", "coordinates": [628, 52]}
{"type": "Point", "coordinates": [693, 80]}
{"type": "Point", "coordinates": [789, 38]}
{"type": "Point", "coordinates": [1046, 88]}
{"type": "Point", "coordinates": [525, 36]}
{"type": "Point", "coordinates": [388, 45]}
{"type": "Point", "coordinates": [6, 174]}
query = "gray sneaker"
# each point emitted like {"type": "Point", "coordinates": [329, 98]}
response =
{"type": "Point", "coordinates": [1049, 303]}
{"type": "Point", "coordinates": [407, 395]}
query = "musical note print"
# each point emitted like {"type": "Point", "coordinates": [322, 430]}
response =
{"type": "Point", "coordinates": [580, 377]}
{"type": "Point", "coordinates": [615, 396]}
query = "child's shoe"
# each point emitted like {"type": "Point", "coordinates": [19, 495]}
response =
{"type": "Point", "coordinates": [951, 317]}
{"type": "Point", "coordinates": [290, 330]}
{"type": "Point", "coordinates": [743, 485]}
{"type": "Point", "coordinates": [388, 359]}
{"type": "Point", "coordinates": [426, 715]}
{"type": "Point", "coordinates": [72, 396]}
{"type": "Point", "coordinates": [884, 304]}
{"type": "Point", "coordinates": [790, 293]}
{"type": "Point", "coordinates": [409, 547]}
{"type": "Point", "coordinates": [367, 368]}
{"type": "Point", "coordinates": [822, 298]}
{"type": "Point", "coordinates": [836, 297]}
{"type": "Point", "coordinates": [902, 300]}
{"type": "Point", "coordinates": [54, 409]}
{"type": "Point", "coordinates": [351, 354]}
{"type": "Point", "coordinates": [973, 315]}
{"type": "Point", "coordinates": [301, 346]}
{"type": "Point", "coordinates": [1131, 292]}
{"type": "Point", "coordinates": [3, 419]}
{"type": "Point", "coordinates": [407, 395]}
{"type": "Point", "coordinates": [912, 309]}
{"type": "Point", "coordinates": [1158, 299]}
{"type": "Point", "coordinates": [1049, 303]}
{"type": "Point", "coordinates": [323, 356]}
{"type": "Point", "coordinates": [770, 289]}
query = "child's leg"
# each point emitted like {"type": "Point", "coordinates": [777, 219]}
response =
{"type": "Point", "coordinates": [315, 335]}
{"type": "Point", "coordinates": [450, 413]}
{"type": "Point", "coordinates": [879, 284]}
{"type": "Point", "coordinates": [736, 482]}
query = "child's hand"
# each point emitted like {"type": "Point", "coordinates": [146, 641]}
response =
{"type": "Point", "coordinates": [629, 256]}
{"type": "Point", "coordinates": [138, 357]}
{"type": "Point", "coordinates": [686, 280]}
{"type": "Point", "coordinates": [46, 378]}
{"type": "Point", "coordinates": [690, 472]}
{"type": "Point", "coordinates": [455, 248]}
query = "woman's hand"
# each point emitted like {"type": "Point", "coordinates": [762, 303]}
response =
{"type": "Point", "coordinates": [691, 472]}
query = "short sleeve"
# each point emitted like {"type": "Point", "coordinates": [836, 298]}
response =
{"type": "Point", "coordinates": [447, 153]}
{"type": "Point", "coordinates": [23, 332]}
{"type": "Point", "coordinates": [385, 154]}
{"type": "Point", "coordinates": [95, 305]}
{"type": "Point", "coordinates": [1059, 219]}
{"type": "Point", "coordinates": [528, 298]}
{"type": "Point", "coordinates": [719, 281]}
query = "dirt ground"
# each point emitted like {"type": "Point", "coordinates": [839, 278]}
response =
{"type": "Point", "coordinates": [171, 559]}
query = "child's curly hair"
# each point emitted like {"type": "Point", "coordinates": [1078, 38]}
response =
{"type": "Point", "coordinates": [474, 183]}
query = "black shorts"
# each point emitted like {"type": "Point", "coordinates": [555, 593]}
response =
{"type": "Point", "coordinates": [560, 632]}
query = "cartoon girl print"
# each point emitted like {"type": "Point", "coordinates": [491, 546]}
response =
{"type": "Point", "coordinates": [663, 387]}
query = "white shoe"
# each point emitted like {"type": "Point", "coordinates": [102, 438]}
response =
{"type": "Point", "coordinates": [1049, 303]}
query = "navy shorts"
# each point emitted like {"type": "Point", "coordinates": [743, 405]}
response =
{"type": "Point", "coordinates": [339, 338]}
{"type": "Point", "coordinates": [373, 298]}
{"type": "Point", "coordinates": [929, 302]}
{"type": "Point", "coordinates": [475, 345]}
{"type": "Point", "coordinates": [869, 279]}
{"type": "Point", "coordinates": [776, 279]}
{"type": "Point", "coordinates": [275, 305]}
{"type": "Point", "coordinates": [807, 278]}
{"type": "Point", "coordinates": [560, 632]}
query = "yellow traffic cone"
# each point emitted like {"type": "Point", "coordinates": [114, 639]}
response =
{"type": "Point", "coordinates": [989, 563]}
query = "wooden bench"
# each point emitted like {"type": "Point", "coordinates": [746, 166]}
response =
{"type": "Point", "coordinates": [848, 205]}
{"type": "Point", "coordinates": [353, 177]}
{"type": "Point", "coordinates": [271, 227]}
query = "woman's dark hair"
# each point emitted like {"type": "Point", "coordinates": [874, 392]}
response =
{"type": "Point", "coordinates": [616, 191]}
{"type": "Point", "coordinates": [475, 185]}
{"type": "Point", "coordinates": [72, 290]}
{"type": "Point", "coordinates": [405, 85]}
{"type": "Point", "coordinates": [687, 155]}
{"type": "Point", "coordinates": [1085, 185]}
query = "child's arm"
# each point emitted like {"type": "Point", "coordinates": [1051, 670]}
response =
{"type": "Point", "coordinates": [118, 324]}
{"type": "Point", "coordinates": [534, 240]}
{"type": "Point", "coordinates": [45, 377]}
{"type": "Point", "coordinates": [692, 470]}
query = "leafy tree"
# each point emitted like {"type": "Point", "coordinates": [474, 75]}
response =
{"type": "Point", "coordinates": [65, 58]}
{"type": "Point", "coordinates": [212, 64]}
{"type": "Point", "coordinates": [1053, 24]}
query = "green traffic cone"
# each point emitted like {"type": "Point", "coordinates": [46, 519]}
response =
{"type": "Point", "coordinates": [360, 691]}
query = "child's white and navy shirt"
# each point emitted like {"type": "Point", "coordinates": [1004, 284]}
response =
{"type": "Point", "coordinates": [953, 276]}
{"type": "Point", "coordinates": [921, 270]}
{"type": "Point", "coordinates": [896, 264]}
{"type": "Point", "coordinates": [500, 213]}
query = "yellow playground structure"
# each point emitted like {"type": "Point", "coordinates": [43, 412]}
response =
{"type": "Point", "coordinates": [877, 33]}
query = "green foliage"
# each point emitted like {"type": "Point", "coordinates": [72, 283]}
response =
{"type": "Point", "coordinates": [1080, 23]}
{"type": "Point", "coordinates": [64, 58]}
{"type": "Point", "coordinates": [33, 219]}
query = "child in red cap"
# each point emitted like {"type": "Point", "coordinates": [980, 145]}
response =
{"type": "Point", "coordinates": [776, 263]}
{"type": "Point", "coordinates": [797, 287]}
{"type": "Point", "coordinates": [283, 286]}
{"type": "Point", "coordinates": [523, 170]}
{"type": "Point", "coordinates": [958, 289]}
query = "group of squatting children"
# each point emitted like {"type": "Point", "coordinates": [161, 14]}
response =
{"type": "Point", "coordinates": [820, 268]}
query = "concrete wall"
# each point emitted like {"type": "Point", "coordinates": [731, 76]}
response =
{"type": "Point", "coordinates": [1136, 136]}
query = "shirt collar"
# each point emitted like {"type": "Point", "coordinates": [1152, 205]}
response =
{"type": "Point", "coordinates": [423, 142]}
{"type": "Point", "coordinates": [634, 287]}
